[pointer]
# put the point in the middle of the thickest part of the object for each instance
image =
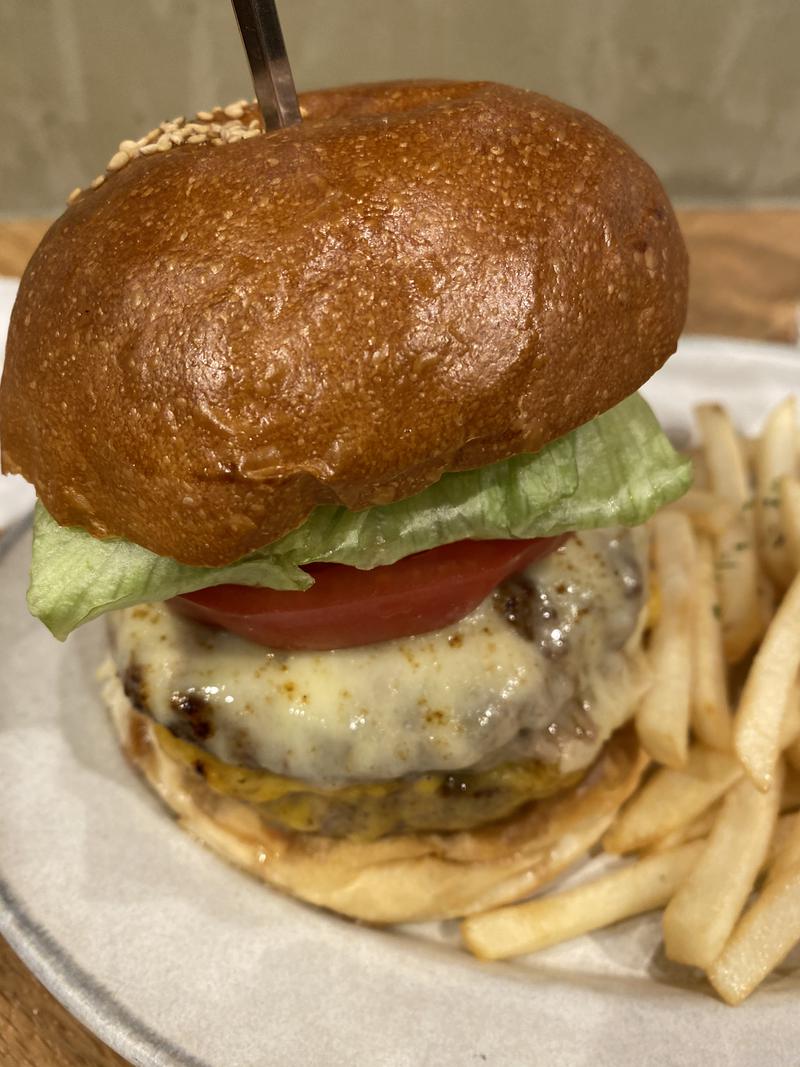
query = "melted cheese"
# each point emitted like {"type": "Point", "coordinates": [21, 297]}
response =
{"type": "Point", "coordinates": [369, 810]}
{"type": "Point", "coordinates": [472, 695]}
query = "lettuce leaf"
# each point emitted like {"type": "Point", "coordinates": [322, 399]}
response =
{"type": "Point", "coordinates": [617, 469]}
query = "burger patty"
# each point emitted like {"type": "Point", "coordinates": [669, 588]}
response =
{"type": "Point", "coordinates": [543, 670]}
{"type": "Point", "coordinates": [366, 811]}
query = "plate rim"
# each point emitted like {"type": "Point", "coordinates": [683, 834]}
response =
{"type": "Point", "coordinates": [85, 997]}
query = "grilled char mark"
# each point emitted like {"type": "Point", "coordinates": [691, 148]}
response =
{"type": "Point", "coordinates": [134, 686]}
{"type": "Point", "coordinates": [532, 613]}
{"type": "Point", "coordinates": [194, 716]}
{"type": "Point", "coordinates": [541, 615]}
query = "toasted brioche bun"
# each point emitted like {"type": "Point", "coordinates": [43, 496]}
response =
{"type": "Point", "coordinates": [401, 878]}
{"type": "Point", "coordinates": [419, 277]}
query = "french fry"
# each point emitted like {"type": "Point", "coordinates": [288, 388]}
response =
{"type": "Point", "coordinates": [767, 603]}
{"type": "Point", "coordinates": [791, 786]}
{"type": "Point", "coordinates": [737, 561]}
{"type": "Point", "coordinates": [693, 831]}
{"type": "Point", "coordinates": [790, 723]}
{"type": "Point", "coordinates": [785, 845]}
{"type": "Point", "coordinates": [758, 722]}
{"type": "Point", "coordinates": [672, 799]}
{"type": "Point", "coordinates": [700, 917]}
{"type": "Point", "coordinates": [722, 448]}
{"type": "Point", "coordinates": [633, 889]}
{"type": "Point", "coordinates": [774, 460]}
{"type": "Point", "coordinates": [784, 830]}
{"type": "Point", "coordinates": [764, 938]}
{"type": "Point", "coordinates": [767, 932]}
{"type": "Point", "coordinates": [662, 720]}
{"type": "Point", "coordinates": [793, 756]}
{"type": "Point", "coordinates": [767, 600]}
{"type": "Point", "coordinates": [789, 497]}
{"type": "Point", "coordinates": [710, 710]}
{"type": "Point", "coordinates": [709, 513]}
{"type": "Point", "coordinates": [701, 479]}
{"type": "Point", "coordinates": [739, 595]}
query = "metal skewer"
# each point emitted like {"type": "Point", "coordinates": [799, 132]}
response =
{"type": "Point", "coordinates": [266, 53]}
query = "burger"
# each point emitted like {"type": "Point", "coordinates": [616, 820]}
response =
{"type": "Point", "coordinates": [337, 425]}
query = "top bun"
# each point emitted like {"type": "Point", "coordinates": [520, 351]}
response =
{"type": "Point", "coordinates": [420, 277]}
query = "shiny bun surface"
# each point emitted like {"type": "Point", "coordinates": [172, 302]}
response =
{"type": "Point", "coordinates": [420, 277]}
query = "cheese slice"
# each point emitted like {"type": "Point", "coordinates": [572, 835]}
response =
{"type": "Point", "coordinates": [494, 688]}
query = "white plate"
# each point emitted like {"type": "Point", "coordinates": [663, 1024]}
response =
{"type": "Point", "coordinates": [172, 957]}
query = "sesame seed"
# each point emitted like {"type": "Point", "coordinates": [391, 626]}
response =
{"type": "Point", "coordinates": [117, 161]}
{"type": "Point", "coordinates": [177, 131]}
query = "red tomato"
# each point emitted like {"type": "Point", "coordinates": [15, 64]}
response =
{"type": "Point", "coordinates": [347, 607]}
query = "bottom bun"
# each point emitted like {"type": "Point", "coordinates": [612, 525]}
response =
{"type": "Point", "coordinates": [400, 878]}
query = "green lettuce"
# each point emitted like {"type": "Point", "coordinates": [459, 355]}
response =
{"type": "Point", "coordinates": [617, 469]}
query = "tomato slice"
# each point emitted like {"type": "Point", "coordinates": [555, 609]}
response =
{"type": "Point", "coordinates": [347, 607]}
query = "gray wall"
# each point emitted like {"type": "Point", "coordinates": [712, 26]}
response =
{"type": "Point", "coordinates": [707, 90]}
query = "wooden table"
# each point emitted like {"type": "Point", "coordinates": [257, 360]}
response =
{"type": "Point", "coordinates": [745, 283]}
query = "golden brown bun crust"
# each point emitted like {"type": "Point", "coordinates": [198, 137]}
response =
{"type": "Point", "coordinates": [420, 277]}
{"type": "Point", "coordinates": [401, 878]}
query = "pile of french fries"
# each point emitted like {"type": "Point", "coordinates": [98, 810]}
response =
{"type": "Point", "coordinates": [715, 824]}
